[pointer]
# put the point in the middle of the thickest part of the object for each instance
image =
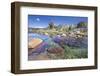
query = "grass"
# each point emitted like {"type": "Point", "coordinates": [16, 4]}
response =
{"type": "Point", "coordinates": [73, 52]}
{"type": "Point", "coordinates": [50, 32]}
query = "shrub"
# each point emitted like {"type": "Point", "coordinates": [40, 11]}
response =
{"type": "Point", "coordinates": [73, 52]}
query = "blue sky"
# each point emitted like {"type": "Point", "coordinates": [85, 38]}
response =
{"type": "Point", "coordinates": [42, 21]}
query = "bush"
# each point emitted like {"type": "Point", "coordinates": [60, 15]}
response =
{"type": "Point", "coordinates": [73, 52]}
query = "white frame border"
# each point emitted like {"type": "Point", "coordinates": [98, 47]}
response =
{"type": "Point", "coordinates": [25, 64]}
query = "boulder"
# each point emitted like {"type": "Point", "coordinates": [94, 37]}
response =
{"type": "Point", "coordinates": [34, 42]}
{"type": "Point", "coordinates": [56, 52]}
{"type": "Point", "coordinates": [64, 35]}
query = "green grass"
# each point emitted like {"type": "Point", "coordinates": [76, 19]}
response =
{"type": "Point", "coordinates": [73, 52]}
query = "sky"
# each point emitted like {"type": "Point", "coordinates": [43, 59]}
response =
{"type": "Point", "coordinates": [42, 21]}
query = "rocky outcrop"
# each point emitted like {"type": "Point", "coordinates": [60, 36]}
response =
{"type": "Point", "coordinates": [34, 42]}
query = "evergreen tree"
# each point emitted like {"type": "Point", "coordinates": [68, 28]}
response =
{"type": "Point", "coordinates": [81, 24]}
